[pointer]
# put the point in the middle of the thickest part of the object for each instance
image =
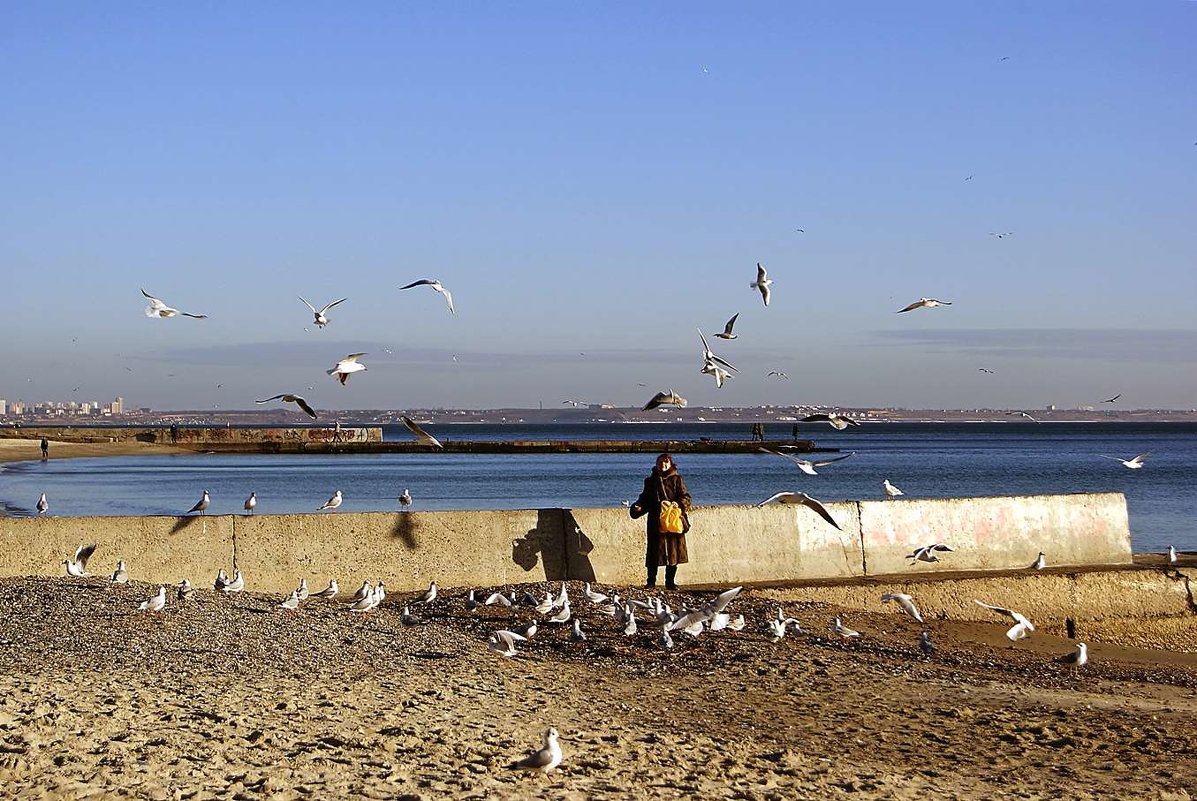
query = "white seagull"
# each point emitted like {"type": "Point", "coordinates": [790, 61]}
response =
{"type": "Point", "coordinates": [669, 398]}
{"type": "Point", "coordinates": [156, 603]}
{"type": "Point", "coordinates": [405, 498]}
{"type": "Point", "coordinates": [890, 490]}
{"type": "Point", "coordinates": [321, 319]}
{"type": "Point", "coordinates": [183, 590]}
{"type": "Point", "coordinates": [329, 592]}
{"type": "Point", "coordinates": [926, 553]}
{"type": "Point", "coordinates": [544, 760]}
{"type": "Point", "coordinates": [1040, 562]}
{"type": "Point", "coordinates": [839, 628]}
{"type": "Point", "coordinates": [291, 602]}
{"type": "Point", "coordinates": [1021, 628]}
{"type": "Point", "coordinates": [1134, 464]}
{"type": "Point", "coordinates": [806, 466]}
{"type": "Point", "coordinates": [347, 367]}
{"type": "Point", "coordinates": [904, 601]}
{"type": "Point", "coordinates": [423, 436]}
{"type": "Point", "coordinates": [727, 329]}
{"type": "Point", "coordinates": [837, 421]}
{"type": "Point", "coordinates": [121, 574]}
{"type": "Point", "coordinates": [762, 282]}
{"type": "Point", "coordinates": [251, 502]}
{"type": "Point", "coordinates": [1077, 658]}
{"type": "Point", "coordinates": [1172, 554]}
{"type": "Point", "coordinates": [805, 500]}
{"type": "Point", "coordinates": [428, 596]}
{"type": "Point", "coordinates": [432, 282]}
{"type": "Point", "coordinates": [710, 360]}
{"type": "Point", "coordinates": [77, 566]}
{"type": "Point", "coordinates": [237, 584]}
{"type": "Point", "coordinates": [502, 642]}
{"type": "Point", "coordinates": [202, 504]}
{"type": "Point", "coordinates": [42, 504]}
{"type": "Point", "coordinates": [927, 303]}
{"type": "Point", "coordinates": [159, 309]}
{"type": "Point", "coordinates": [298, 400]}
{"type": "Point", "coordinates": [334, 502]}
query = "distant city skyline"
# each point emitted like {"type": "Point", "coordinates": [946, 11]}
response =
{"type": "Point", "coordinates": [593, 184]}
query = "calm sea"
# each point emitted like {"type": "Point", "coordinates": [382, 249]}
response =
{"type": "Point", "coordinates": [924, 460]}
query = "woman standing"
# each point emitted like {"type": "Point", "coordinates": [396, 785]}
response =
{"type": "Point", "coordinates": [665, 483]}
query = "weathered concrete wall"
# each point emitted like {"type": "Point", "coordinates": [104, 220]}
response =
{"type": "Point", "coordinates": [726, 543]}
{"type": "Point", "coordinates": [201, 435]}
{"type": "Point", "coordinates": [998, 533]}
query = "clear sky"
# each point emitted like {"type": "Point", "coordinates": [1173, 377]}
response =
{"type": "Point", "coordinates": [593, 182]}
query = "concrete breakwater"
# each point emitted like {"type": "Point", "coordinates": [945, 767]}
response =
{"type": "Point", "coordinates": [728, 544]}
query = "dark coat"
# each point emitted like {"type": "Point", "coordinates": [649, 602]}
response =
{"type": "Point", "coordinates": [663, 549]}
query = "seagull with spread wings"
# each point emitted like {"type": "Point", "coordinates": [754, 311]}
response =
{"type": "Point", "coordinates": [435, 284]}
{"type": "Point", "coordinates": [321, 318]}
{"type": "Point", "coordinates": [805, 465]}
{"type": "Point", "coordinates": [762, 283]}
{"type": "Point", "coordinates": [423, 436]}
{"type": "Point", "coordinates": [838, 421]}
{"type": "Point", "coordinates": [727, 329]}
{"type": "Point", "coordinates": [298, 400]}
{"type": "Point", "coordinates": [669, 398]}
{"type": "Point", "coordinates": [159, 309]}
{"type": "Point", "coordinates": [925, 303]}
{"type": "Point", "coordinates": [1133, 464]}
{"type": "Point", "coordinates": [805, 500]}
{"type": "Point", "coordinates": [347, 367]}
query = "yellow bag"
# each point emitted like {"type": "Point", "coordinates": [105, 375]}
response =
{"type": "Point", "coordinates": [670, 521]}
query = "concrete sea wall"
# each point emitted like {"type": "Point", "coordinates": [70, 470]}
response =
{"type": "Point", "coordinates": [727, 544]}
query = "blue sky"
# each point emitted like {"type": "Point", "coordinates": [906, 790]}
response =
{"type": "Point", "coordinates": [593, 181]}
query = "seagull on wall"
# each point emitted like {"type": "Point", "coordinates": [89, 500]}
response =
{"type": "Point", "coordinates": [435, 284]}
{"type": "Point", "coordinates": [321, 319]}
{"type": "Point", "coordinates": [159, 309]}
{"type": "Point", "coordinates": [762, 282]}
{"type": "Point", "coordinates": [298, 400]}
{"type": "Point", "coordinates": [925, 303]}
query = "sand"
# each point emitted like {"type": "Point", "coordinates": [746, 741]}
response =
{"type": "Point", "coordinates": [21, 450]}
{"type": "Point", "coordinates": [229, 697]}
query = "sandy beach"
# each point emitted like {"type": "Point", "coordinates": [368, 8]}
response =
{"type": "Point", "coordinates": [230, 697]}
{"type": "Point", "coordinates": [22, 450]}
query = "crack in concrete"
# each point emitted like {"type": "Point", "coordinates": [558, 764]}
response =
{"type": "Point", "coordinates": [1176, 575]}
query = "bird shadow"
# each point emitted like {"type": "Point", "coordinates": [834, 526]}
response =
{"type": "Point", "coordinates": [185, 523]}
{"type": "Point", "coordinates": [405, 530]}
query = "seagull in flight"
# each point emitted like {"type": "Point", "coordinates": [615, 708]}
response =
{"type": "Point", "coordinates": [1111, 400]}
{"type": "Point", "coordinates": [904, 601]}
{"type": "Point", "coordinates": [985, 370]}
{"type": "Point", "coordinates": [762, 282]}
{"type": "Point", "coordinates": [1133, 464]}
{"type": "Point", "coordinates": [709, 358]}
{"type": "Point", "coordinates": [777, 373]}
{"type": "Point", "coordinates": [805, 500]}
{"type": "Point", "coordinates": [837, 421]}
{"type": "Point", "coordinates": [77, 566]}
{"type": "Point", "coordinates": [435, 284]}
{"type": "Point", "coordinates": [806, 466]}
{"type": "Point", "coordinates": [159, 309]}
{"type": "Point", "coordinates": [298, 400]}
{"type": "Point", "coordinates": [927, 553]}
{"type": "Point", "coordinates": [727, 329]}
{"type": "Point", "coordinates": [347, 367]}
{"type": "Point", "coordinates": [1001, 235]}
{"type": "Point", "coordinates": [1021, 628]}
{"type": "Point", "coordinates": [669, 398]}
{"type": "Point", "coordinates": [928, 303]}
{"type": "Point", "coordinates": [423, 436]}
{"type": "Point", "coordinates": [1023, 414]}
{"type": "Point", "coordinates": [321, 319]}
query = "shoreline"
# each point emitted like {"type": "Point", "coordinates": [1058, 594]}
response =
{"type": "Point", "coordinates": [29, 450]}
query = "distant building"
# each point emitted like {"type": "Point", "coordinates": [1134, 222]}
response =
{"type": "Point", "coordinates": [117, 406]}
{"type": "Point", "coordinates": [3, 407]}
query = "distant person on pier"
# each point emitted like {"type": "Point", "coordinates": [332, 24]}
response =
{"type": "Point", "coordinates": [174, 434]}
{"type": "Point", "coordinates": [45, 449]}
{"type": "Point", "coordinates": [665, 483]}
{"type": "Point", "coordinates": [794, 432]}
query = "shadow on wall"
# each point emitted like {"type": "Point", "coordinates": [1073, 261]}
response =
{"type": "Point", "coordinates": [557, 543]}
{"type": "Point", "coordinates": [187, 522]}
{"type": "Point", "coordinates": [405, 530]}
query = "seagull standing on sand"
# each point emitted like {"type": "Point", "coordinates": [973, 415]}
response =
{"type": "Point", "coordinates": [321, 319]}
{"type": "Point", "coordinates": [236, 585]}
{"type": "Point", "coordinates": [42, 504]}
{"type": "Point", "coordinates": [1133, 464]}
{"type": "Point", "coordinates": [77, 566]}
{"type": "Point", "coordinates": [334, 502]}
{"type": "Point", "coordinates": [291, 602]}
{"type": "Point", "coordinates": [423, 436]}
{"type": "Point", "coordinates": [925, 303]}
{"type": "Point", "coordinates": [429, 595]}
{"type": "Point", "coordinates": [183, 590]}
{"type": "Point", "coordinates": [805, 500]}
{"type": "Point", "coordinates": [1022, 626]}
{"type": "Point", "coordinates": [155, 604]}
{"type": "Point", "coordinates": [839, 628]}
{"type": "Point", "coordinates": [435, 284]}
{"type": "Point", "coordinates": [669, 398]}
{"type": "Point", "coordinates": [544, 760]}
{"type": "Point", "coordinates": [804, 465]}
{"type": "Point", "coordinates": [298, 400]}
{"type": "Point", "coordinates": [347, 367]}
{"type": "Point", "coordinates": [121, 574]}
{"type": "Point", "coordinates": [503, 642]}
{"type": "Point", "coordinates": [201, 505]}
{"type": "Point", "coordinates": [251, 502]}
{"type": "Point", "coordinates": [329, 592]}
{"type": "Point", "coordinates": [1077, 658]}
{"type": "Point", "coordinates": [925, 644]}
{"type": "Point", "coordinates": [727, 329]}
{"type": "Point", "coordinates": [159, 309]}
{"type": "Point", "coordinates": [890, 490]}
{"type": "Point", "coordinates": [762, 282]}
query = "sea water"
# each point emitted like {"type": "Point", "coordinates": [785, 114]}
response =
{"type": "Point", "coordinates": [938, 460]}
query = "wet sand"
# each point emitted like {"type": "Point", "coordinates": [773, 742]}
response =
{"type": "Point", "coordinates": [230, 697]}
{"type": "Point", "coordinates": [24, 450]}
